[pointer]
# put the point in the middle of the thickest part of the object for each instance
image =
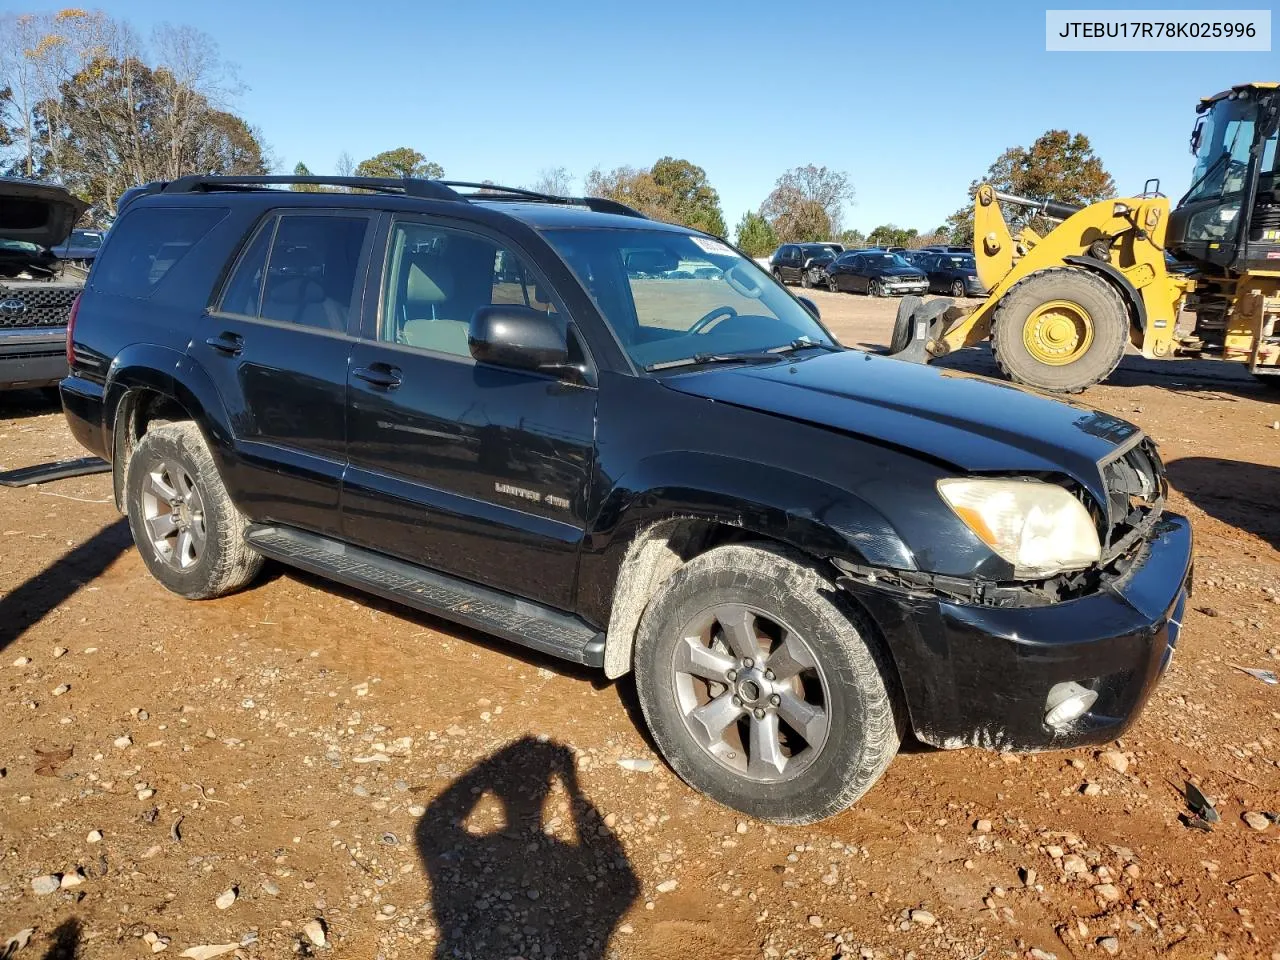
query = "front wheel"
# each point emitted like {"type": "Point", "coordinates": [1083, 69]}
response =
{"type": "Point", "coordinates": [1060, 330]}
{"type": "Point", "coordinates": [189, 533]}
{"type": "Point", "coordinates": [957, 289]}
{"type": "Point", "coordinates": [777, 275]}
{"type": "Point", "coordinates": [833, 285]}
{"type": "Point", "coordinates": [764, 687]}
{"type": "Point", "coordinates": [876, 288]}
{"type": "Point", "coordinates": [806, 280]}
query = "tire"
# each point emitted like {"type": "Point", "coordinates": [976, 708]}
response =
{"type": "Point", "coordinates": [902, 323]}
{"type": "Point", "coordinates": [1077, 289]}
{"type": "Point", "coordinates": [875, 288]}
{"type": "Point", "coordinates": [848, 672]}
{"type": "Point", "coordinates": [957, 289]}
{"type": "Point", "coordinates": [777, 275]}
{"type": "Point", "coordinates": [214, 560]}
{"type": "Point", "coordinates": [833, 284]}
{"type": "Point", "coordinates": [806, 280]}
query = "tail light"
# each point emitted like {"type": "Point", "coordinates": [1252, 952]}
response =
{"type": "Point", "coordinates": [71, 329]}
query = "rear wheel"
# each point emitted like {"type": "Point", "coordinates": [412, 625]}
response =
{"type": "Point", "coordinates": [189, 533]}
{"type": "Point", "coordinates": [763, 687]}
{"type": "Point", "coordinates": [1060, 330]}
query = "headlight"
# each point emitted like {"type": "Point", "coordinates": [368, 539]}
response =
{"type": "Point", "coordinates": [1038, 527]}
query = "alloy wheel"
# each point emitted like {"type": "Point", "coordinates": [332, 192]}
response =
{"type": "Point", "coordinates": [173, 513]}
{"type": "Point", "coordinates": [751, 692]}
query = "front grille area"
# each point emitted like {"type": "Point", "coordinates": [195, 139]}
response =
{"type": "Point", "coordinates": [43, 305]}
{"type": "Point", "coordinates": [1136, 489]}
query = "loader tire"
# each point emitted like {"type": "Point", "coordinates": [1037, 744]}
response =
{"type": "Point", "coordinates": [902, 324]}
{"type": "Point", "coordinates": [1060, 330]}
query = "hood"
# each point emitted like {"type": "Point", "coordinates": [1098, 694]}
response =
{"type": "Point", "coordinates": [974, 425]}
{"type": "Point", "coordinates": [900, 272]}
{"type": "Point", "coordinates": [39, 213]}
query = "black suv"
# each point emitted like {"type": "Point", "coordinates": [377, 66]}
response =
{"type": "Point", "coordinates": [495, 407]}
{"type": "Point", "coordinates": [803, 263]}
{"type": "Point", "coordinates": [37, 289]}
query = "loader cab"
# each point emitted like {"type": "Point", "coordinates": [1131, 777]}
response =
{"type": "Point", "coordinates": [1237, 168]}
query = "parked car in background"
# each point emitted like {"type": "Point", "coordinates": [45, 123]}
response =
{"type": "Point", "coordinates": [803, 263]}
{"type": "Point", "coordinates": [955, 274]}
{"type": "Point", "coordinates": [942, 248]}
{"type": "Point", "coordinates": [37, 289]}
{"type": "Point", "coordinates": [81, 247]}
{"type": "Point", "coordinates": [878, 273]}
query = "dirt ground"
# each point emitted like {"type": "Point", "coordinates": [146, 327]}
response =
{"type": "Point", "coordinates": [421, 790]}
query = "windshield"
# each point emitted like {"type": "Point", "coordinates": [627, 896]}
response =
{"type": "Point", "coordinates": [886, 260]}
{"type": "Point", "coordinates": [1221, 141]}
{"type": "Point", "coordinates": [672, 296]}
{"type": "Point", "coordinates": [816, 250]}
{"type": "Point", "coordinates": [19, 246]}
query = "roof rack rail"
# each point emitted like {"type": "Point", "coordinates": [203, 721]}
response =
{"type": "Point", "coordinates": [598, 204]}
{"type": "Point", "coordinates": [408, 186]}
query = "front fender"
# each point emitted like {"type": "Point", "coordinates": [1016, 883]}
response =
{"type": "Point", "coordinates": [816, 518]}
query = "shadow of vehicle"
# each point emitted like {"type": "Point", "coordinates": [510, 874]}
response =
{"type": "Point", "coordinates": [32, 600]}
{"type": "Point", "coordinates": [504, 882]}
{"type": "Point", "coordinates": [1233, 491]}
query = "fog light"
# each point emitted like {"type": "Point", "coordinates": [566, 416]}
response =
{"type": "Point", "coordinates": [1066, 702]}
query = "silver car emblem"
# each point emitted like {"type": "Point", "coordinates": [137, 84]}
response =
{"type": "Point", "coordinates": [13, 307]}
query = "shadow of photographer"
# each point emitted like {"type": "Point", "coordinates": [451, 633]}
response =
{"type": "Point", "coordinates": [504, 880]}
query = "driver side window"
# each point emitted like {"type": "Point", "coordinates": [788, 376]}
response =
{"type": "Point", "coordinates": [435, 280]}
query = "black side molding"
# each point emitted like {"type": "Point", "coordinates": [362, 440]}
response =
{"type": "Point", "coordinates": [492, 611]}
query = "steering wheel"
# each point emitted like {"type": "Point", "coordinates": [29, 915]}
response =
{"type": "Point", "coordinates": [716, 314]}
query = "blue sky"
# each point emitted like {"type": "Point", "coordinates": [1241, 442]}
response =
{"type": "Point", "coordinates": [912, 99]}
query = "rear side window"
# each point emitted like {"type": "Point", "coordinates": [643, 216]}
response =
{"type": "Point", "coordinates": [146, 244]}
{"type": "Point", "coordinates": [299, 269]}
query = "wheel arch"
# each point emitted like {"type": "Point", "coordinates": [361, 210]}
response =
{"type": "Point", "coordinates": [142, 387]}
{"type": "Point", "coordinates": [660, 529]}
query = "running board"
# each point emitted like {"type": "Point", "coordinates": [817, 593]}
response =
{"type": "Point", "coordinates": [491, 611]}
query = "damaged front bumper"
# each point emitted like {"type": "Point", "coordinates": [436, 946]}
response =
{"type": "Point", "coordinates": [978, 675]}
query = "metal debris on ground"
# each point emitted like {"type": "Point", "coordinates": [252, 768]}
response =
{"type": "Point", "coordinates": [1266, 676]}
{"type": "Point", "coordinates": [1201, 805]}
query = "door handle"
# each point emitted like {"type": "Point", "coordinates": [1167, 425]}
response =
{"type": "Point", "coordinates": [379, 375]}
{"type": "Point", "coordinates": [226, 342]}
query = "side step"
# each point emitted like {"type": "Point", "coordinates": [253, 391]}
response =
{"type": "Point", "coordinates": [491, 611]}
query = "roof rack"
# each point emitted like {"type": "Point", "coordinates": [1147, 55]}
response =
{"type": "Point", "coordinates": [408, 186]}
{"type": "Point", "coordinates": [496, 191]}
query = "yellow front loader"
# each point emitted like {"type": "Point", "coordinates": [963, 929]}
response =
{"type": "Point", "coordinates": [1061, 307]}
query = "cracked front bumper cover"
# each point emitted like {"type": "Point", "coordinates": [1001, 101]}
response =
{"type": "Point", "coordinates": [979, 675]}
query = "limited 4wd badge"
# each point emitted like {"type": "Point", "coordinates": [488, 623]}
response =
{"type": "Point", "coordinates": [533, 496]}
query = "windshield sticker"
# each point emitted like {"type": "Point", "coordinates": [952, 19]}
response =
{"type": "Point", "coordinates": [713, 246]}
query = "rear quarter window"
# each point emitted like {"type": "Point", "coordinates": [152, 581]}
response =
{"type": "Point", "coordinates": [146, 244]}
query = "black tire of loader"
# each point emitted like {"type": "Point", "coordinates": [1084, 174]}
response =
{"type": "Point", "coordinates": [1110, 321]}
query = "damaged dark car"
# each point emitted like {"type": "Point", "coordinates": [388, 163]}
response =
{"type": "Point", "coordinates": [494, 407]}
{"type": "Point", "coordinates": [37, 288]}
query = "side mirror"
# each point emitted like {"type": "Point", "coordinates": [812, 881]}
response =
{"type": "Point", "coordinates": [811, 307]}
{"type": "Point", "coordinates": [519, 338]}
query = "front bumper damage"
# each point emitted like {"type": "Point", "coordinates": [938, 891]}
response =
{"type": "Point", "coordinates": [979, 675]}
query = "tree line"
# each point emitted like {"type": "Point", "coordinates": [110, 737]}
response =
{"type": "Point", "coordinates": [85, 102]}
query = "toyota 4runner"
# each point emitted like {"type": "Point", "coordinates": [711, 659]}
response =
{"type": "Point", "coordinates": [621, 442]}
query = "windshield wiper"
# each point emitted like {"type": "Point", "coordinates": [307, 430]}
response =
{"type": "Point", "coordinates": [804, 343]}
{"type": "Point", "coordinates": [698, 358]}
